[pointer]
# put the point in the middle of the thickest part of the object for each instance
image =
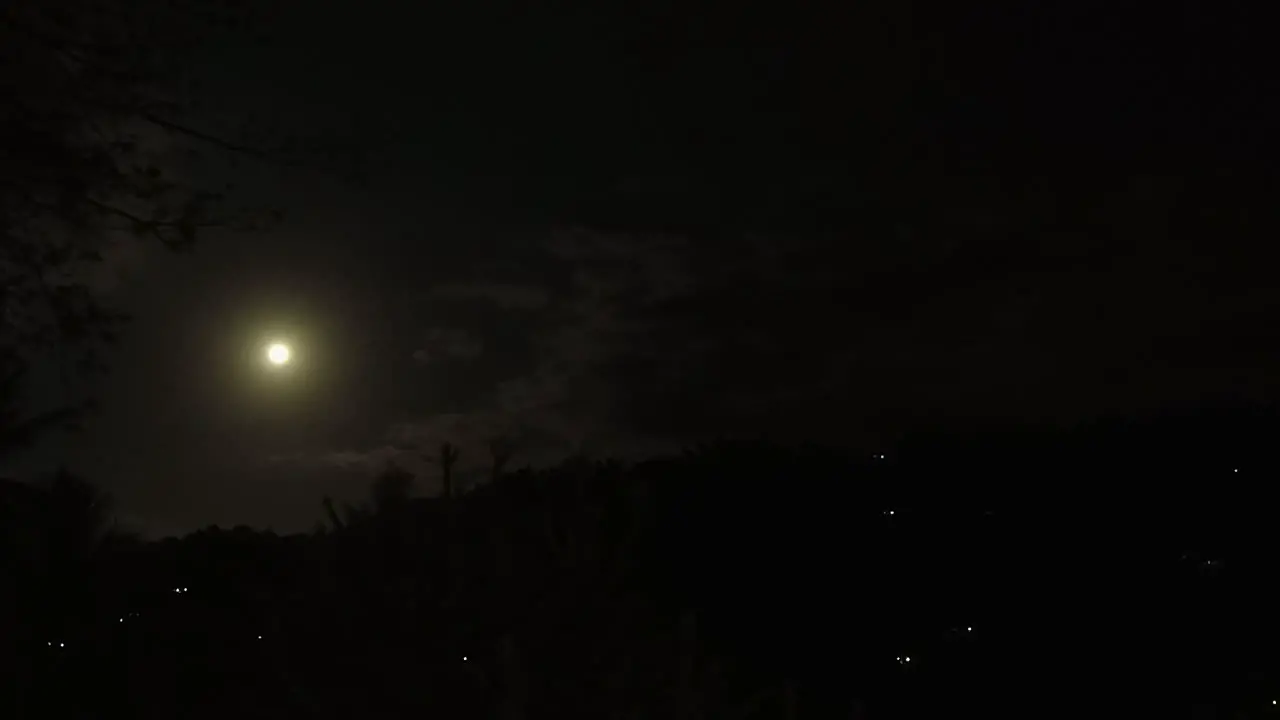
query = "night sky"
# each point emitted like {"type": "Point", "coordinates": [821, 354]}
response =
{"type": "Point", "coordinates": [621, 232]}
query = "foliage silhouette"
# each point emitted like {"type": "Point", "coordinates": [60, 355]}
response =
{"type": "Point", "coordinates": [90, 87]}
{"type": "Point", "coordinates": [391, 489]}
{"type": "Point", "coordinates": [736, 580]}
{"type": "Point", "coordinates": [102, 115]}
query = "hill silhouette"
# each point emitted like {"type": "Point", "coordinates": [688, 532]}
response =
{"type": "Point", "coordinates": [1124, 566]}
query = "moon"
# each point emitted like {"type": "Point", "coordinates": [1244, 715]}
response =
{"type": "Point", "coordinates": [278, 354]}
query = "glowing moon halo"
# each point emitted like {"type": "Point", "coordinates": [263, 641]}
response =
{"type": "Point", "coordinates": [278, 354]}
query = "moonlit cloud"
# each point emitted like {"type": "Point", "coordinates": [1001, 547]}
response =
{"type": "Point", "coordinates": [346, 460]}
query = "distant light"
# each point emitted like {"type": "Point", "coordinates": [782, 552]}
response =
{"type": "Point", "coordinates": [464, 658]}
{"type": "Point", "coordinates": [968, 629]}
{"type": "Point", "coordinates": [121, 619]}
{"type": "Point", "coordinates": [1238, 470]}
{"type": "Point", "coordinates": [62, 644]}
{"type": "Point", "coordinates": [259, 637]}
{"type": "Point", "coordinates": [907, 659]}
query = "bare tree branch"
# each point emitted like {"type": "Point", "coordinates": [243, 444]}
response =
{"type": "Point", "coordinates": [205, 137]}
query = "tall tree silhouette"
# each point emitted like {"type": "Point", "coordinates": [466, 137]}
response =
{"type": "Point", "coordinates": [448, 458]}
{"type": "Point", "coordinates": [79, 514]}
{"type": "Point", "coordinates": [331, 513]}
{"type": "Point", "coordinates": [501, 450]}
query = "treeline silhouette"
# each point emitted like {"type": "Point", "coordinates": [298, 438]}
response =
{"type": "Point", "coordinates": [1121, 568]}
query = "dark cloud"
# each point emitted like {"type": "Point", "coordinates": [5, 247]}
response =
{"type": "Point", "coordinates": [990, 306]}
{"type": "Point", "coordinates": [507, 296]}
{"type": "Point", "coordinates": [448, 343]}
{"type": "Point", "coordinates": [618, 246]}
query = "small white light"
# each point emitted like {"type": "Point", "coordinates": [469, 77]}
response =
{"type": "Point", "coordinates": [968, 629]}
{"type": "Point", "coordinates": [464, 658]}
{"type": "Point", "coordinates": [907, 660]}
{"type": "Point", "coordinates": [49, 644]}
{"type": "Point", "coordinates": [62, 644]}
{"type": "Point", "coordinates": [259, 637]}
{"type": "Point", "coordinates": [121, 619]}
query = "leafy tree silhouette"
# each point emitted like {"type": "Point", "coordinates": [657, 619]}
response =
{"type": "Point", "coordinates": [391, 489]}
{"type": "Point", "coordinates": [88, 88]}
{"type": "Point", "coordinates": [102, 110]}
{"type": "Point", "coordinates": [58, 537]}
